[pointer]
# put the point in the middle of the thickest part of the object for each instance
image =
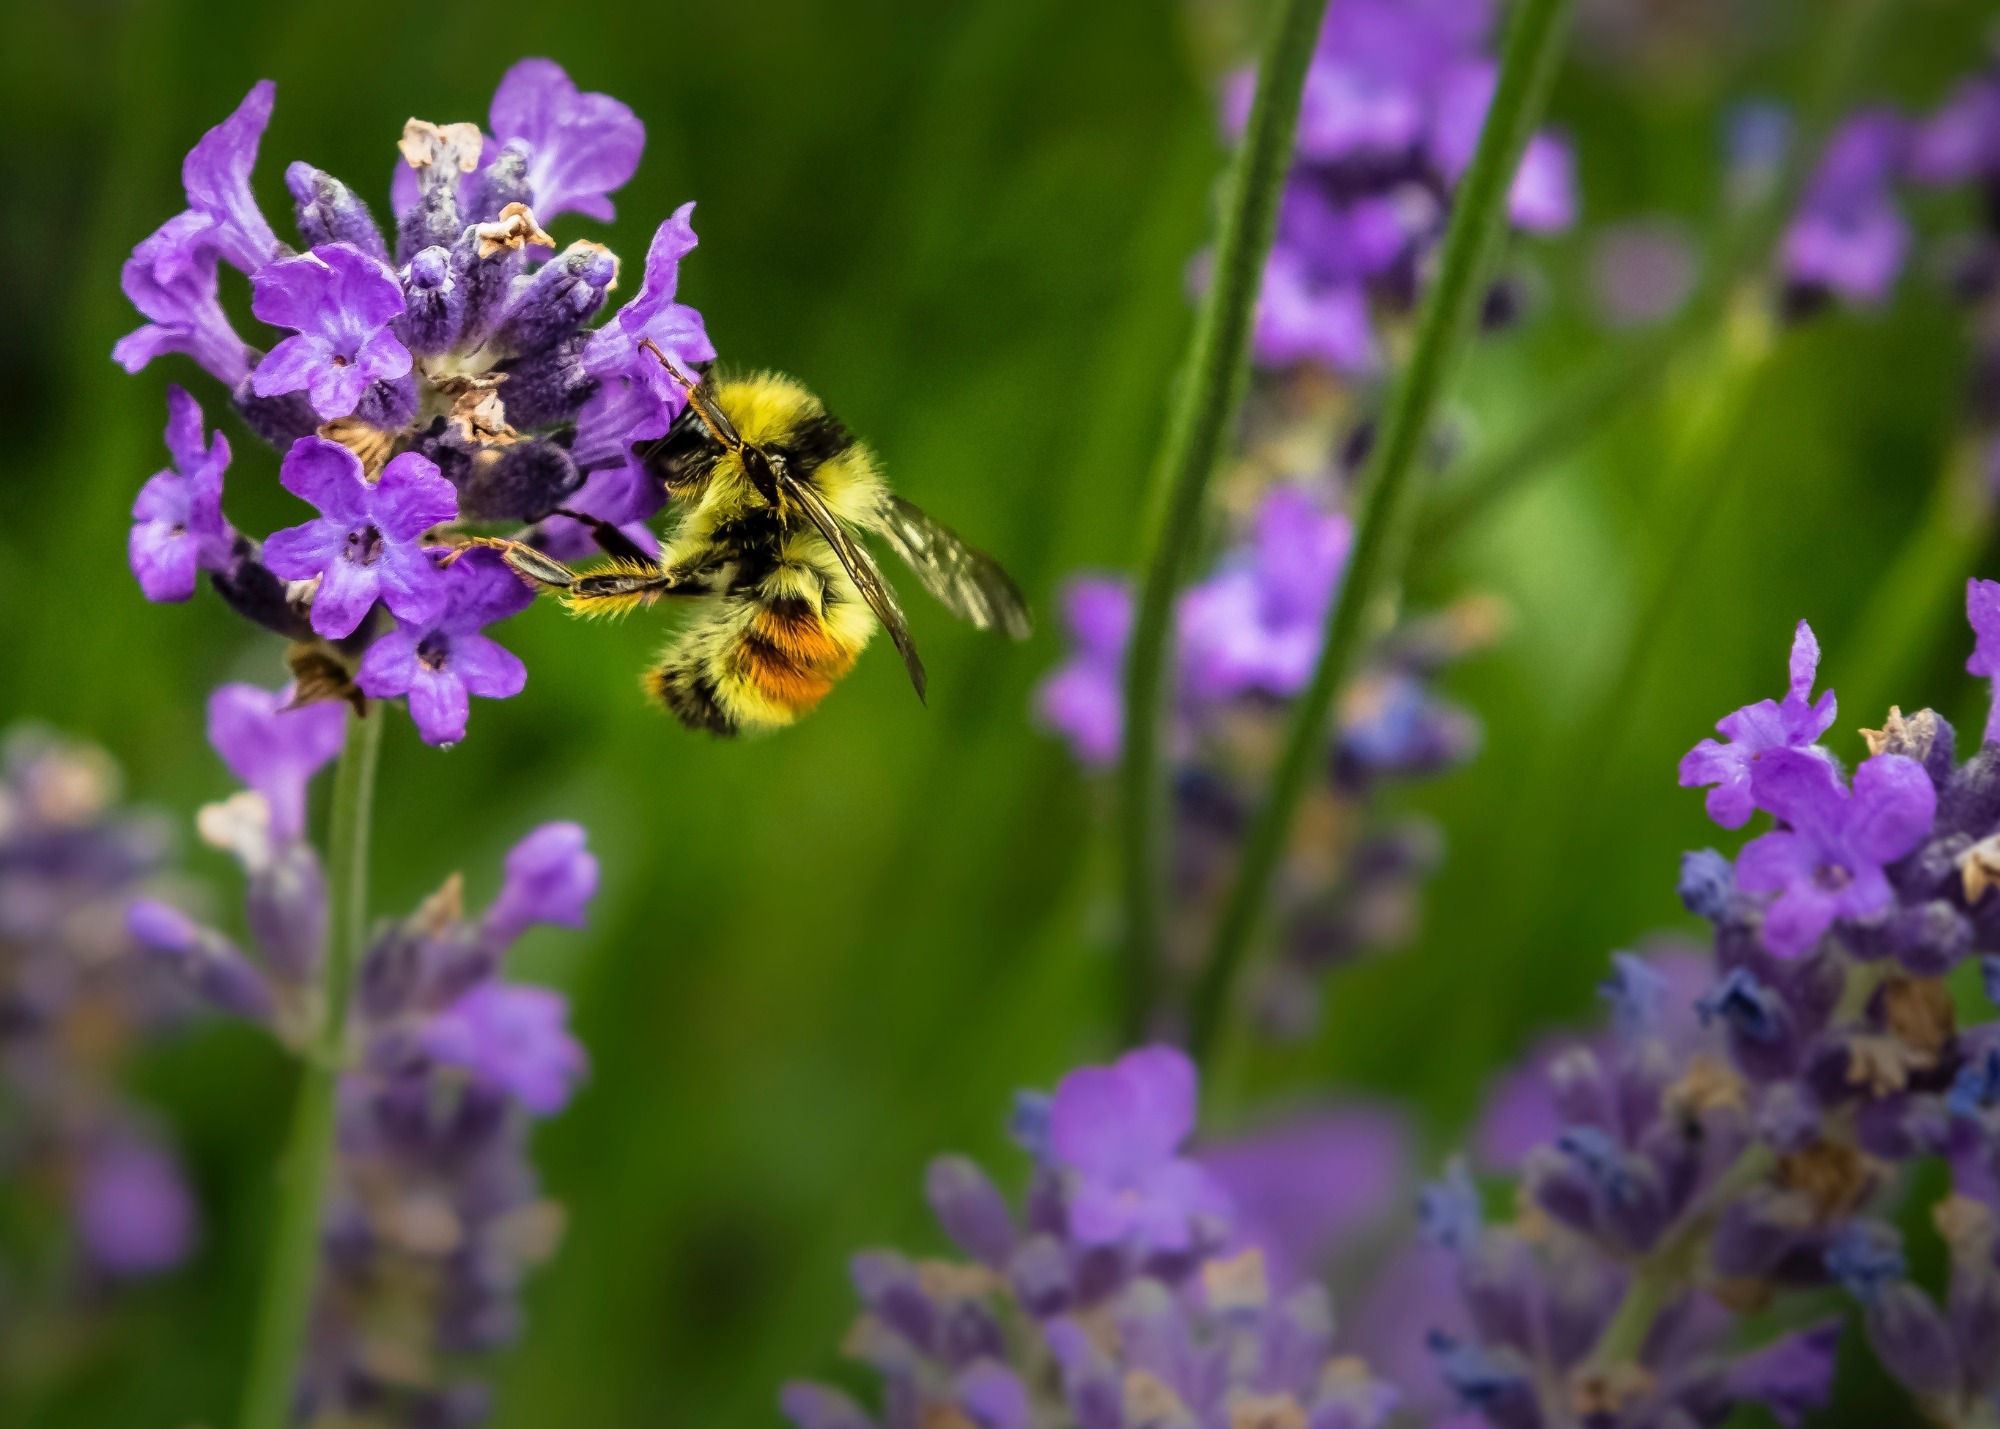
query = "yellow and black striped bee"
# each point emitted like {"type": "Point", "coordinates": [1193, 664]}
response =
{"type": "Point", "coordinates": [773, 495]}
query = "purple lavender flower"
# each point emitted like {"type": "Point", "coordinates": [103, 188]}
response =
{"type": "Point", "coordinates": [1827, 862]}
{"type": "Point", "coordinates": [439, 661]}
{"type": "Point", "coordinates": [517, 1038]}
{"type": "Point", "coordinates": [1119, 1130]}
{"type": "Point", "coordinates": [133, 1212]}
{"type": "Point", "coordinates": [340, 302]}
{"type": "Point", "coordinates": [177, 525]}
{"type": "Point", "coordinates": [365, 545]}
{"type": "Point", "coordinates": [216, 175]}
{"type": "Point", "coordinates": [636, 399]}
{"type": "Point", "coordinates": [1256, 625]}
{"type": "Point", "coordinates": [1848, 237]}
{"type": "Point", "coordinates": [1084, 700]}
{"type": "Point", "coordinates": [172, 281]}
{"type": "Point", "coordinates": [274, 748]}
{"type": "Point", "coordinates": [551, 878]}
{"type": "Point", "coordinates": [1961, 141]}
{"type": "Point", "coordinates": [1982, 609]}
{"type": "Point", "coordinates": [579, 147]}
{"type": "Point", "coordinates": [1755, 730]}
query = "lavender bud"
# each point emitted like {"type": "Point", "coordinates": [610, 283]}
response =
{"type": "Point", "coordinates": [482, 282]}
{"type": "Point", "coordinates": [1583, 1096]}
{"type": "Point", "coordinates": [521, 481]}
{"type": "Point", "coordinates": [1912, 1339]}
{"type": "Point", "coordinates": [500, 183]}
{"type": "Point", "coordinates": [1501, 1289]}
{"type": "Point", "coordinates": [1792, 1376]}
{"type": "Point", "coordinates": [1707, 884]}
{"type": "Point", "coordinates": [331, 212]}
{"type": "Point", "coordinates": [441, 157]}
{"type": "Point", "coordinates": [548, 386]}
{"type": "Point", "coordinates": [559, 298]}
{"type": "Point", "coordinates": [971, 1209]}
{"type": "Point", "coordinates": [388, 404]}
{"type": "Point", "coordinates": [1561, 1189]}
{"type": "Point", "coordinates": [1448, 1211]}
{"type": "Point", "coordinates": [818, 1406]}
{"type": "Point", "coordinates": [969, 1333]}
{"type": "Point", "coordinates": [887, 1283]}
{"type": "Point", "coordinates": [1630, 1201]}
{"type": "Point", "coordinates": [1929, 938]}
{"type": "Point", "coordinates": [1969, 803]}
{"type": "Point", "coordinates": [1040, 1274]}
{"type": "Point", "coordinates": [432, 308]}
{"type": "Point", "coordinates": [1029, 1124]}
{"type": "Point", "coordinates": [1933, 870]}
{"type": "Point", "coordinates": [1759, 1023]}
{"type": "Point", "coordinates": [285, 906]}
{"type": "Point", "coordinates": [1495, 1385]}
{"type": "Point", "coordinates": [206, 959]}
{"type": "Point", "coordinates": [249, 589]}
{"type": "Point", "coordinates": [279, 420]}
{"type": "Point", "coordinates": [1637, 992]}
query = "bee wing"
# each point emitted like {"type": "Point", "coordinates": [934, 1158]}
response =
{"type": "Point", "coordinates": [966, 581]}
{"type": "Point", "coordinates": [861, 566]}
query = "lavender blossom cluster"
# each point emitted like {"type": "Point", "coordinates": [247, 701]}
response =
{"type": "Point", "coordinates": [1246, 638]}
{"type": "Point", "coordinates": [1388, 123]}
{"type": "Point", "coordinates": [75, 1001]}
{"type": "Point", "coordinates": [435, 1216]}
{"type": "Point", "coordinates": [1119, 1297]}
{"type": "Point", "coordinates": [445, 377]}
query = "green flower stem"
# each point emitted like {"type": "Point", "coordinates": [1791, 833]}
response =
{"type": "Point", "coordinates": [1366, 604]}
{"type": "Point", "coordinates": [1204, 407]}
{"type": "Point", "coordinates": [290, 1272]}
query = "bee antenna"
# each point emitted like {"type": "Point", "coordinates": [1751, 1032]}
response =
{"type": "Point", "coordinates": [686, 383]}
{"type": "Point", "coordinates": [711, 415]}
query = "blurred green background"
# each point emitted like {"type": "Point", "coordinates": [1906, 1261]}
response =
{"type": "Point", "coordinates": [820, 958]}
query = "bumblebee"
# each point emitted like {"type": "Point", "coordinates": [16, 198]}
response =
{"type": "Point", "coordinates": [773, 495]}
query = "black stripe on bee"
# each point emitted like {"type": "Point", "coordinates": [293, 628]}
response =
{"type": "Point", "coordinates": [813, 441]}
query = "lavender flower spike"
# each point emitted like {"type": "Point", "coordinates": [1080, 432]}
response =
{"type": "Point", "coordinates": [579, 147]}
{"type": "Point", "coordinates": [515, 1038]}
{"type": "Point", "coordinates": [438, 663]}
{"type": "Point", "coordinates": [340, 302]}
{"type": "Point", "coordinates": [274, 748]}
{"type": "Point", "coordinates": [1828, 862]}
{"type": "Point", "coordinates": [1119, 1130]}
{"type": "Point", "coordinates": [1982, 609]}
{"type": "Point", "coordinates": [551, 878]}
{"type": "Point", "coordinates": [365, 544]}
{"type": "Point", "coordinates": [1793, 723]}
{"type": "Point", "coordinates": [177, 525]}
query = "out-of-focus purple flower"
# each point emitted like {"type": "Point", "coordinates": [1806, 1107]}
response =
{"type": "Point", "coordinates": [1961, 141]}
{"type": "Point", "coordinates": [171, 280]}
{"type": "Point", "coordinates": [1542, 198]}
{"type": "Point", "coordinates": [551, 878]}
{"type": "Point", "coordinates": [133, 1212]}
{"type": "Point", "coordinates": [274, 749]}
{"type": "Point", "coordinates": [441, 661]}
{"type": "Point", "coordinates": [516, 1038]}
{"type": "Point", "coordinates": [1119, 1130]}
{"type": "Point", "coordinates": [1827, 862]}
{"type": "Point", "coordinates": [340, 302]}
{"type": "Point", "coordinates": [1982, 610]}
{"type": "Point", "coordinates": [177, 525]}
{"type": "Point", "coordinates": [1310, 1183]}
{"type": "Point", "coordinates": [579, 146]}
{"type": "Point", "coordinates": [1301, 318]}
{"type": "Point", "coordinates": [1791, 1376]}
{"type": "Point", "coordinates": [365, 545]}
{"type": "Point", "coordinates": [1256, 625]}
{"type": "Point", "coordinates": [1083, 700]}
{"type": "Point", "coordinates": [1754, 731]}
{"type": "Point", "coordinates": [636, 398]}
{"type": "Point", "coordinates": [1641, 272]}
{"type": "Point", "coordinates": [1848, 237]}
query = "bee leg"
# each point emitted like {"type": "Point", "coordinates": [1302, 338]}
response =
{"type": "Point", "coordinates": [610, 540]}
{"type": "Point", "coordinates": [524, 560]}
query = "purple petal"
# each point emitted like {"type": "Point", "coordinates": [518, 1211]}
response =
{"type": "Point", "coordinates": [1543, 196]}
{"type": "Point", "coordinates": [298, 553]}
{"type": "Point", "coordinates": [580, 146]}
{"type": "Point", "coordinates": [334, 387]}
{"type": "Point", "coordinates": [329, 476]}
{"type": "Point", "coordinates": [551, 878]}
{"type": "Point", "coordinates": [1982, 609]}
{"type": "Point", "coordinates": [389, 666]}
{"type": "Point", "coordinates": [409, 583]}
{"type": "Point", "coordinates": [186, 440]}
{"type": "Point", "coordinates": [346, 591]}
{"type": "Point", "coordinates": [1797, 921]}
{"type": "Point", "coordinates": [383, 358]}
{"type": "Point", "coordinates": [161, 554]}
{"type": "Point", "coordinates": [133, 1211]}
{"type": "Point", "coordinates": [488, 669]}
{"type": "Point", "coordinates": [1799, 788]}
{"type": "Point", "coordinates": [514, 1037]}
{"type": "Point", "coordinates": [411, 497]}
{"type": "Point", "coordinates": [1774, 861]}
{"type": "Point", "coordinates": [438, 704]}
{"type": "Point", "coordinates": [216, 175]}
{"type": "Point", "coordinates": [1804, 661]}
{"type": "Point", "coordinates": [293, 292]}
{"type": "Point", "coordinates": [1892, 808]}
{"type": "Point", "coordinates": [274, 750]}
